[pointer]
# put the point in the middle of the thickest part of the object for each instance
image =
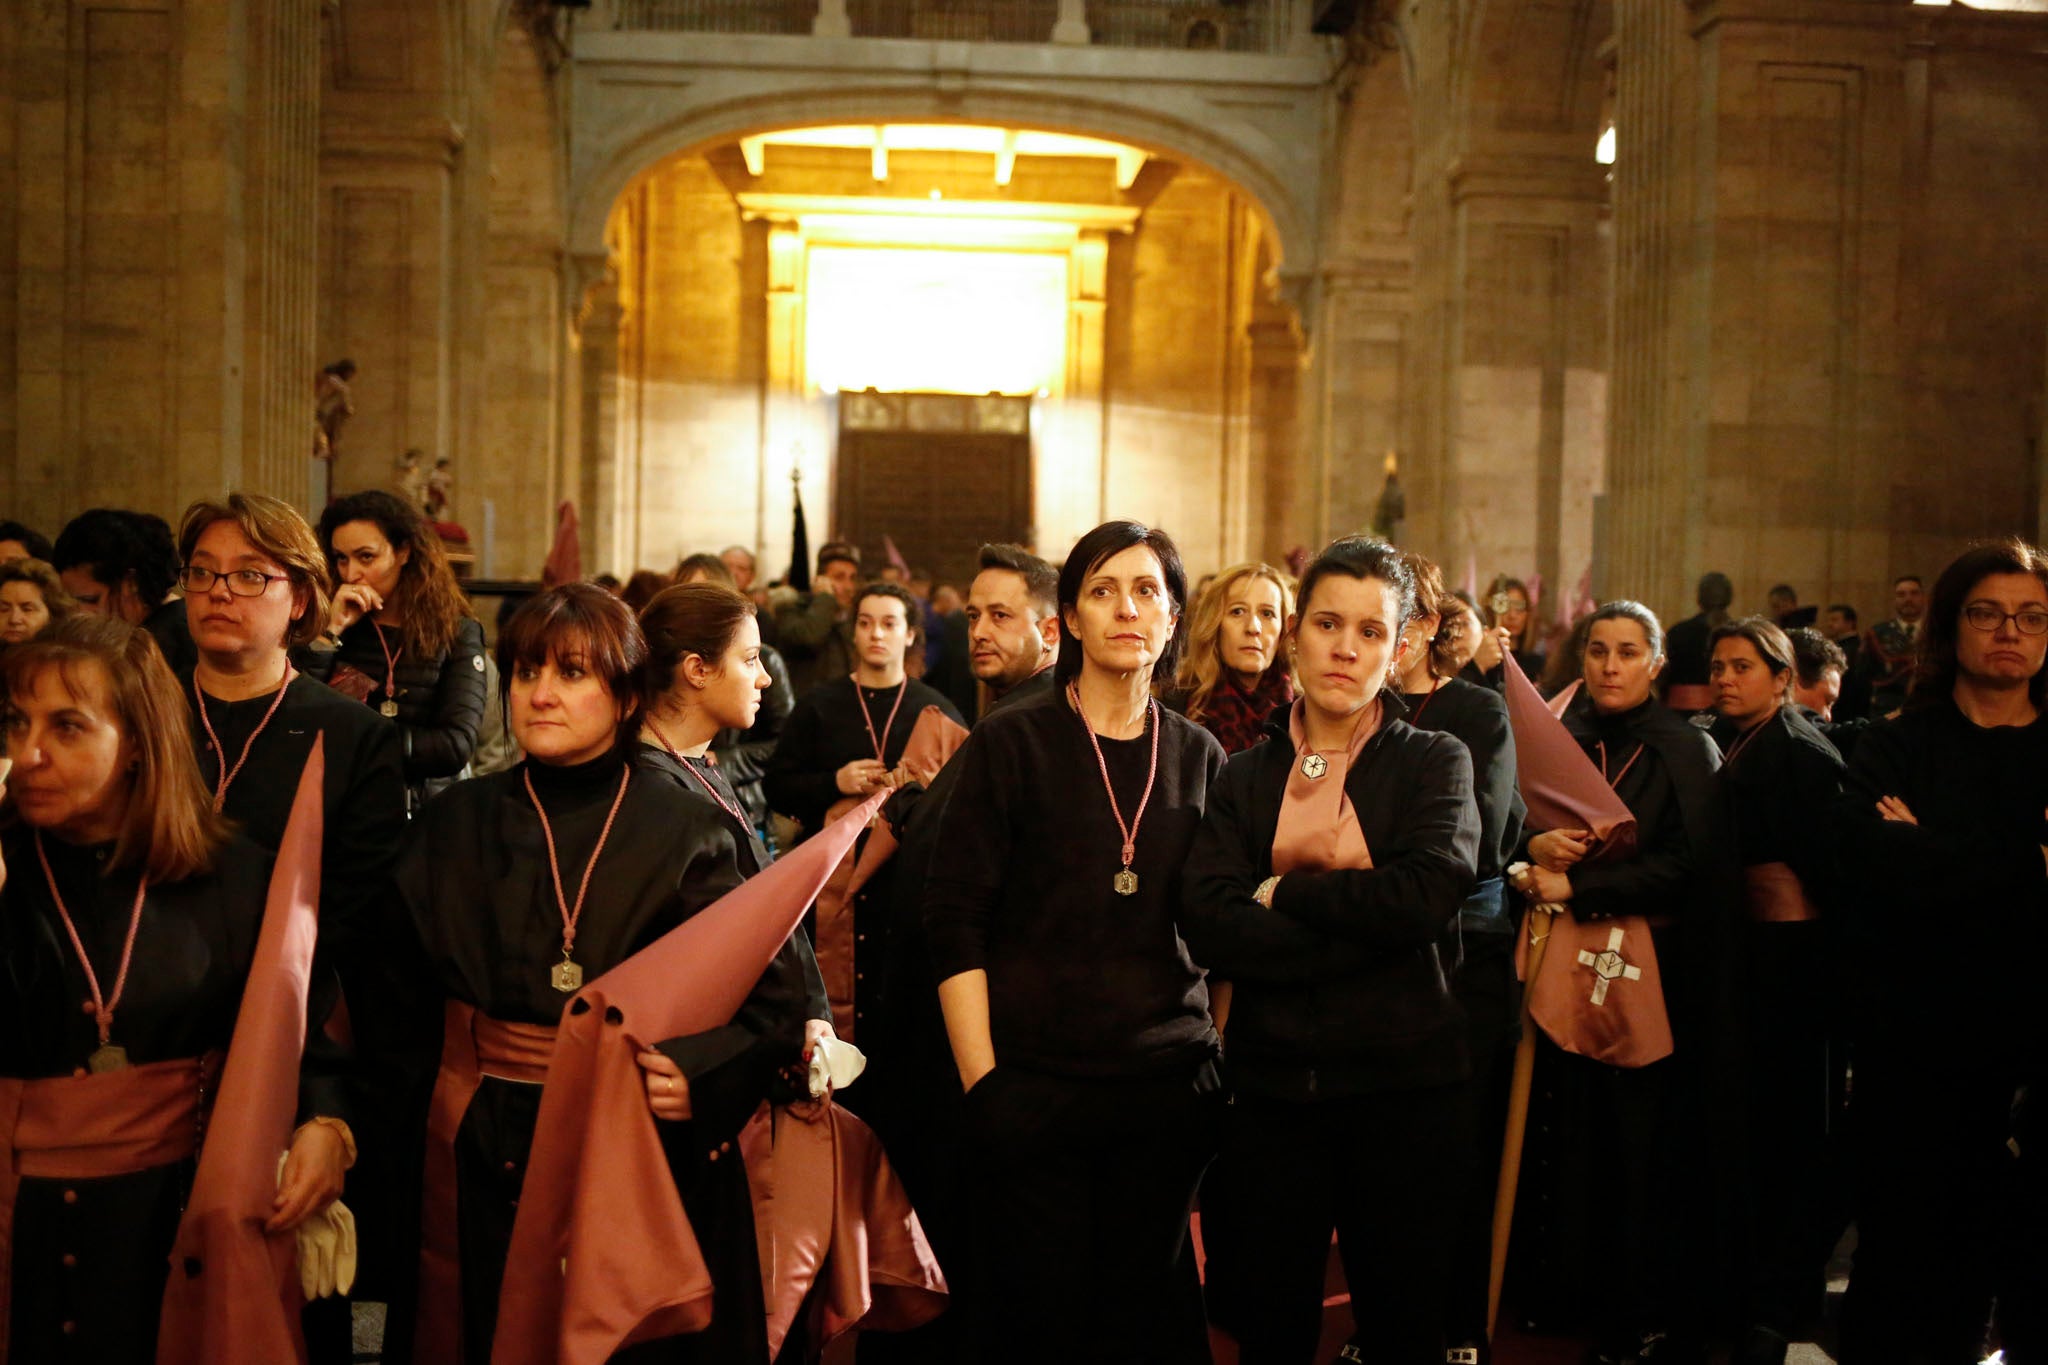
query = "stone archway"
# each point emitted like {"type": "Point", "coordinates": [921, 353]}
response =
{"type": "Point", "coordinates": [1193, 453]}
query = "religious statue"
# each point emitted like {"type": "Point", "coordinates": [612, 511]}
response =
{"type": "Point", "coordinates": [332, 407]}
{"type": "Point", "coordinates": [438, 485]}
{"type": "Point", "coordinates": [408, 480]}
{"type": "Point", "coordinates": [1391, 511]}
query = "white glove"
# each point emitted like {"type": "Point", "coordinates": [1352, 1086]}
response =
{"type": "Point", "coordinates": [835, 1065]}
{"type": "Point", "coordinates": [327, 1249]}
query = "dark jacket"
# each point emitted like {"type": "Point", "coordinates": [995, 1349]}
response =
{"type": "Point", "coordinates": [815, 639]}
{"type": "Point", "coordinates": [1339, 988]}
{"type": "Point", "coordinates": [440, 700]}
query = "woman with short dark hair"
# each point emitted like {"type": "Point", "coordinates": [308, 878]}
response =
{"type": "Point", "coordinates": [521, 887]}
{"type": "Point", "coordinates": [1330, 866]}
{"type": "Point", "coordinates": [1079, 1023]}
{"type": "Point", "coordinates": [1943, 846]}
{"type": "Point", "coordinates": [399, 636]}
{"type": "Point", "coordinates": [1781, 778]}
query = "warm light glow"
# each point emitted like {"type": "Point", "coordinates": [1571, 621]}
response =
{"type": "Point", "coordinates": [1003, 145]}
{"type": "Point", "coordinates": [947, 321]}
{"type": "Point", "coordinates": [1603, 152]}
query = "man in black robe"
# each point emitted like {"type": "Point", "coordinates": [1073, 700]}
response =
{"type": "Point", "coordinates": [842, 742]}
{"type": "Point", "coordinates": [1013, 639]}
{"type": "Point", "coordinates": [1687, 647]}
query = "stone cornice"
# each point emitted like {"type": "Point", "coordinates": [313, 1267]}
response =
{"type": "Point", "coordinates": [1527, 177]}
{"type": "Point", "coordinates": [436, 142]}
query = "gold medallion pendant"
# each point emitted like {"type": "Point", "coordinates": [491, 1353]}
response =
{"type": "Point", "coordinates": [1314, 766]}
{"type": "Point", "coordinates": [388, 709]}
{"type": "Point", "coordinates": [567, 977]}
{"type": "Point", "coordinates": [109, 1057]}
{"type": "Point", "coordinates": [1126, 883]}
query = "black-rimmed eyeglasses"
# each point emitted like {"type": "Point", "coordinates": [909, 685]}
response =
{"type": "Point", "coordinates": [1988, 618]}
{"type": "Point", "coordinates": [199, 581]}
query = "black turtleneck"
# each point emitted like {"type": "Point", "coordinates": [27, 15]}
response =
{"type": "Point", "coordinates": [192, 952]}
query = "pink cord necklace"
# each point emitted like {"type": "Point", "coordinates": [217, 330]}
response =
{"type": "Point", "coordinates": [1126, 881]}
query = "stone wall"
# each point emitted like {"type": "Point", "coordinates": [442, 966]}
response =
{"type": "Point", "coordinates": [155, 277]}
{"type": "Point", "coordinates": [1827, 344]}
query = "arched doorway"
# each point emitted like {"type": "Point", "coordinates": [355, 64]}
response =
{"type": "Point", "coordinates": [1126, 298]}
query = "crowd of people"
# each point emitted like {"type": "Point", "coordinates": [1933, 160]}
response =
{"type": "Point", "coordinates": [1172, 907]}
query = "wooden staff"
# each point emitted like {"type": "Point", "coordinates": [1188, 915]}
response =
{"type": "Point", "coordinates": [1537, 925]}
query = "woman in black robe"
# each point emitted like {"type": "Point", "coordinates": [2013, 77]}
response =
{"type": "Point", "coordinates": [1942, 842]}
{"type": "Point", "coordinates": [1331, 863]}
{"type": "Point", "coordinates": [117, 855]}
{"type": "Point", "coordinates": [1611, 1183]}
{"type": "Point", "coordinates": [497, 871]}
{"type": "Point", "coordinates": [1479, 950]}
{"type": "Point", "coordinates": [1781, 779]}
{"type": "Point", "coordinates": [255, 584]}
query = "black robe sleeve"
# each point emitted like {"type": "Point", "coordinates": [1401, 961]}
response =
{"type": "Point", "coordinates": [798, 783]}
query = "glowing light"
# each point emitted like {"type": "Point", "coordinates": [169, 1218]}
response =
{"type": "Point", "coordinates": [1604, 151]}
{"type": "Point", "coordinates": [947, 321]}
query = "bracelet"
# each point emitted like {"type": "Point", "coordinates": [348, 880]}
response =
{"type": "Point", "coordinates": [1264, 895]}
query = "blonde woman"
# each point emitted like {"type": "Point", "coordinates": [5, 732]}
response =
{"type": "Point", "coordinates": [1234, 675]}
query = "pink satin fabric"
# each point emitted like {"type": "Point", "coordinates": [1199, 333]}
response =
{"type": "Point", "coordinates": [1559, 784]}
{"type": "Point", "coordinates": [603, 1254]}
{"type": "Point", "coordinates": [86, 1127]}
{"type": "Point", "coordinates": [828, 1207]}
{"type": "Point", "coordinates": [1318, 829]}
{"type": "Point", "coordinates": [234, 1292]}
{"type": "Point", "coordinates": [472, 1046]}
{"type": "Point", "coordinates": [933, 741]}
{"type": "Point", "coordinates": [1775, 895]}
{"type": "Point", "coordinates": [1629, 1027]}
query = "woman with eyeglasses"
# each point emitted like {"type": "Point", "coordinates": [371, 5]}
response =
{"type": "Point", "coordinates": [1780, 778]}
{"type": "Point", "coordinates": [399, 636]}
{"type": "Point", "coordinates": [1945, 838]}
{"type": "Point", "coordinates": [255, 584]}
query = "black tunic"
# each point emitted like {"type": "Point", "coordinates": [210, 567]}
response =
{"type": "Point", "coordinates": [1081, 981]}
{"type": "Point", "coordinates": [827, 731]}
{"type": "Point", "coordinates": [363, 805]}
{"type": "Point", "coordinates": [474, 877]}
{"type": "Point", "coordinates": [192, 955]}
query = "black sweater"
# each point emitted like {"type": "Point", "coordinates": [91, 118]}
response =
{"type": "Point", "coordinates": [1782, 780]}
{"type": "Point", "coordinates": [826, 732]}
{"type": "Point", "coordinates": [1081, 981]}
{"type": "Point", "coordinates": [1965, 886]}
{"type": "Point", "coordinates": [1478, 718]}
{"type": "Point", "coordinates": [1339, 989]}
{"type": "Point", "coordinates": [440, 700]}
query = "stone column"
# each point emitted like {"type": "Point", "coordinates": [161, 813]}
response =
{"type": "Point", "coordinates": [1506, 359]}
{"type": "Point", "coordinates": [598, 480]}
{"type": "Point", "coordinates": [1072, 24]}
{"type": "Point", "coordinates": [1757, 403]}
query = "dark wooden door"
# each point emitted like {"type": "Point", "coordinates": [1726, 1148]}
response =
{"type": "Point", "coordinates": [938, 473]}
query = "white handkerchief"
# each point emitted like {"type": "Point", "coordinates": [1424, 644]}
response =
{"type": "Point", "coordinates": [835, 1065]}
